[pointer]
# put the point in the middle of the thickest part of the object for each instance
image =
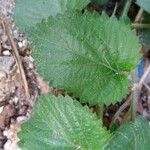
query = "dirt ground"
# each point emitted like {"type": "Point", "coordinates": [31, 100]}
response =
{"type": "Point", "coordinates": [15, 106]}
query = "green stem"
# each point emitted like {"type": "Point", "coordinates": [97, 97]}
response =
{"type": "Point", "coordinates": [126, 8]}
{"type": "Point", "coordinates": [99, 111]}
{"type": "Point", "coordinates": [140, 26]}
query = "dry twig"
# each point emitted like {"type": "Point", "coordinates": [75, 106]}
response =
{"type": "Point", "coordinates": [138, 16]}
{"type": "Point", "coordinates": [122, 108]}
{"type": "Point", "coordinates": [147, 71]}
{"type": "Point", "coordinates": [17, 57]}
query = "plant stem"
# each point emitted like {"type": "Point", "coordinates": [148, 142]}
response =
{"type": "Point", "coordinates": [138, 16]}
{"type": "Point", "coordinates": [18, 59]}
{"type": "Point", "coordinates": [99, 111]}
{"type": "Point", "coordinates": [115, 9]}
{"type": "Point", "coordinates": [126, 8]}
{"type": "Point", "coordinates": [122, 108]}
{"type": "Point", "coordinates": [140, 26]}
{"type": "Point", "coordinates": [135, 96]}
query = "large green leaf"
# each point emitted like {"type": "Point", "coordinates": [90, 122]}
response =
{"type": "Point", "coordinates": [59, 123]}
{"type": "Point", "coordinates": [145, 4]}
{"type": "Point", "coordinates": [131, 136]}
{"type": "Point", "coordinates": [29, 12]}
{"type": "Point", "coordinates": [88, 55]}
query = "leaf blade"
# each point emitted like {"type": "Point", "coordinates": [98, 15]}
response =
{"type": "Point", "coordinates": [61, 123]}
{"type": "Point", "coordinates": [86, 55]}
{"type": "Point", "coordinates": [28, 13]}
{"type": "Point", "coordinates": [131, 136]}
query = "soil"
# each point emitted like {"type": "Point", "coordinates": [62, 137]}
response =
{"type": "Point", "coordinates": [15, 107]}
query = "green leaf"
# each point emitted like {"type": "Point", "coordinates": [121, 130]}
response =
{"type": "Point", "coordinates": [88, 55]}
{"type": "Point", "coordinates": [131, 136]}
{"type": "Point", "coordinates": [145, 4]}
{"type": "Point", "coordinates": [30, 12]}
{"type": "Point", "coordinates": [59, 123]}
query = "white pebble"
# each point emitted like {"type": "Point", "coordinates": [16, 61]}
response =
{"type": "Point", "coordinates": [5, 133]}
{"type": "Point", "coordinates": [20, 44]}
{"type": "Point", "coordinates": [6, 53]}
{"type": "Point", "coordinates": [15, 33]}
{"type": "Point", "coordinates": [11, 145]}
{"type": "Point", "coordinates": [24, 42]}
{"type": "Point", "coordinates": [1, 109]}
{"type": "Point", "coordinates": [31, 65]}
{"type": "Point", "coordinates": [15, 100]}
{"type": "Point", "coordinates": [21, 119]}
{"type": "Point", "coordinates": [145, 114]}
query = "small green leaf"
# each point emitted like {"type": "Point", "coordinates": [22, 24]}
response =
{"type": "Point", "coordinates": [131, 136]}
{"type": "Point", "coordinates": [28, 13]}
{"type": "Point", "coordinates": [59, 123]}
{"type": "Point", "coordinates": [145, 4]}
{"type": "Point", "coordinates": [88, 55]}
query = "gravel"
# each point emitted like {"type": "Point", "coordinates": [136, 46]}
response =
{"type": "Point", "coordinates": [14, 106]}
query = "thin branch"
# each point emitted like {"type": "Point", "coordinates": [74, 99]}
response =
{"type": "Point", "coordinates": [122, 108]}
{"type": "Point", "coordinates": [127, 116]}
{"type": "Point", "coordinates": [147, 71]}
{"type": "Point", "coordinates": [18, 60]}
{"type": "Point", "coordinates": [148, 88]}
{"type": "Point", "coordinates": [135, 95]}
{"type": "Point", "coordinates": [99, 111]}
{"type": "Point", "coordinates": [139, 15]}
{"type": "Point", "coordinates": [126, 8]}
{"type": "Point", "coordinates": [140, 26]}
{"type": "Point", "coordinates": [115, 9]}
{"type": "Point", "coordinates": [135, 92]}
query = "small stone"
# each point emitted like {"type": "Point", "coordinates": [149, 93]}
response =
{"type": "Point", "coordinates": [1, 109]}
{"type": "Point", "coordinates": [106, 114]}
{"type": "Point", "coordinates": [145, 114]}
{"type": "Point", "coordinates": [15, 34]}
{"type": "Point", "coordinates": [2, 75]}
{"type": "Point", "coordinates": [5, 133]}
{"type": "Point", "coordinates": [6, 53]}
{"type": "Point", "coordinates": [21, 119]}
{"type": "Point", "coordinates": [15, 100]}
{"type": "Point", "coordinates": [7, 145]}
{"type": "Point", "coordinates": [20, 44]}
{"type": "Point", "coordinates": [24, 42]}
